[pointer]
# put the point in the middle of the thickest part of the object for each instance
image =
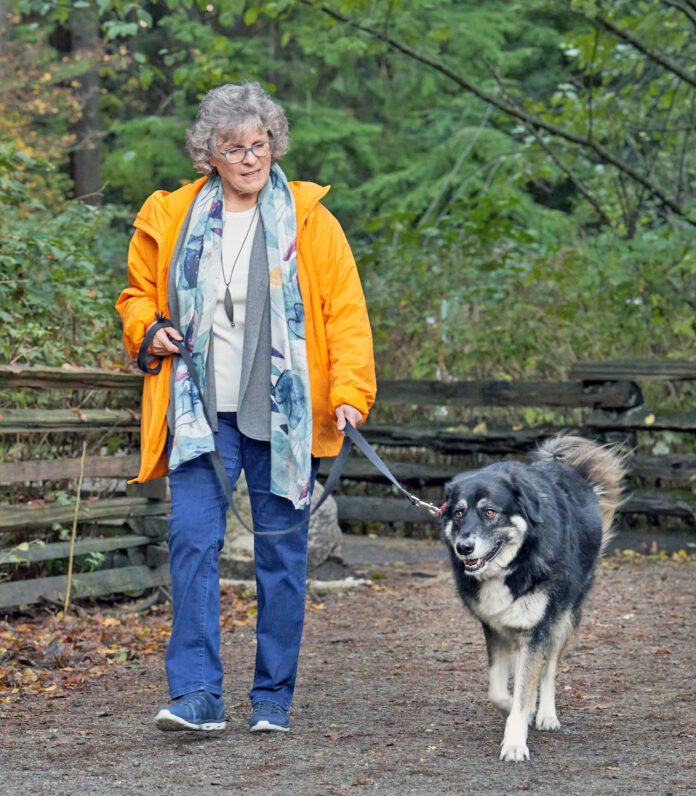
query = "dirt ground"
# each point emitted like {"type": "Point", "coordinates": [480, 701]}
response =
{"type": "Point", "coordinates": [391, 700]}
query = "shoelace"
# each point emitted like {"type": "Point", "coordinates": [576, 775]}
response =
{"type": "Point", "coordinates": [269, 707]}
{"type": "Point", "coordinates": [197, 702]}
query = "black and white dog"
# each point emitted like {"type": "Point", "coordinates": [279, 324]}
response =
{"type": "Point", "coordinates": [524, 540]}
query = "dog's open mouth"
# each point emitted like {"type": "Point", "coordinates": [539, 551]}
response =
{"type": "Point", "coordinates": [475, 564]}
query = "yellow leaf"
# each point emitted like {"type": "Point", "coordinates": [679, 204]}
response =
{"type": "Point", "coordinates": [649, 420]}
{"type": "Point", "coordinates": [481, 428]}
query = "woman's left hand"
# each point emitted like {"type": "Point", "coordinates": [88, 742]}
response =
{"type": "Point", "coordinates": [346, 412]}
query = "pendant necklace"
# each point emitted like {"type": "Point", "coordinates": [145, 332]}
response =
{"type": "Point", "coordinates": [229, 305]}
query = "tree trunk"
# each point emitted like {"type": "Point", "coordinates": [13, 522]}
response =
{"type": "Point", "coordinates": [5, 12]}
{"type": "Point", "coordinates": [87, 154]}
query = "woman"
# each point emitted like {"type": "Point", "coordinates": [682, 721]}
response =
{"type": "Point", "coordinates": [260, 279]}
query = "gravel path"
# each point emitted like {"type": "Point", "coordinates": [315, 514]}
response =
{"type": "Point", "coordinates": [391, 700]}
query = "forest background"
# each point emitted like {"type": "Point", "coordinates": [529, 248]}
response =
{"type": "Point", "coordinates": [516, 178]}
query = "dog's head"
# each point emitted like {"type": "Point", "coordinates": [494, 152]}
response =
{"type": "Point", "coordinates": [486, 517]}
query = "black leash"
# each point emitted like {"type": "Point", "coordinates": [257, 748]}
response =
{"type": "Point", "coordinates": [369, 452]}
{"type": "Point", "coordinates": [151, 364]}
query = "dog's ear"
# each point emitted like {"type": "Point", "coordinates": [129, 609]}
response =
{"type": "Point", "coordinates": [449, 492]}
{"type": "Point", "coordinates": [527, 499]}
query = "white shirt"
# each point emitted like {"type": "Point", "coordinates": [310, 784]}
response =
{"type": "Point", "coordinates": [228, 339]}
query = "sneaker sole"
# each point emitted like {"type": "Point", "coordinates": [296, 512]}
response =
{"type": "Point", "coordinates": [266, 726]}
{"type": "Point", "coordinates": [167, 721]}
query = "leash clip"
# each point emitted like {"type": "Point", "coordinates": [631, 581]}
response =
{"type": "Point", "coordinates": [436, 511]}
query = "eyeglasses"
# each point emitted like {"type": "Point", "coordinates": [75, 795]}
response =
{"type": "Point", "coordinates": [237, 154]}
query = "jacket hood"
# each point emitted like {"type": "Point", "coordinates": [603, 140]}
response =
{"type": "Point", "coordinates": [162, 208]}
{"type": "Point", "coordinates": [307, 195]}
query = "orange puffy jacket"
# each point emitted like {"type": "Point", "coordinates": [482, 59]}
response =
{"type": "Point", "coordinates": [339, 340]}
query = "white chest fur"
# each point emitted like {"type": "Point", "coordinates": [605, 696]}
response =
{"type": "Point", "coordinates": [497, 607]}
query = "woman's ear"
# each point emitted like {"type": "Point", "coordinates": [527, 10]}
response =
{"type": "Point", "coordinates": [527, 499]}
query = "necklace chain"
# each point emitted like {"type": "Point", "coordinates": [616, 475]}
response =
{"type": "Point", "coordinates": [234, 264]}
{"type": "Point", "coordinates": [228, 303]}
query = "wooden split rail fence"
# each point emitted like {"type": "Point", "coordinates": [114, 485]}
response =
{"type": "Point", "coordinates": [133, 526]}
{"type": "Point", "coordinates": [129, 530]}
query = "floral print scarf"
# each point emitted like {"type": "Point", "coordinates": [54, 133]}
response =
{"type": "Point", "coordinates": [198, 270]}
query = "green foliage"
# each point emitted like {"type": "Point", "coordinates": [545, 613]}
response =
{"type": "Point", "coordinates": [146, 154]}
{"type": "Point", "coordinates": [490, 299]}
{"type": "Point", "coordinates": [488, 246]}
{"type": "Point", "coordinates": [58, 279]}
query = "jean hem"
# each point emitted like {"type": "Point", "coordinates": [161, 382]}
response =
{"type": "Point", "coordinates": [211, 689]}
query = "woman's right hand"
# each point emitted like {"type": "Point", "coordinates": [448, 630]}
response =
{"type": "Point", "coordinates": [161, 345]}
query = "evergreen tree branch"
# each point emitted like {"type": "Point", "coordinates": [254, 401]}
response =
{"type": "Point", "coordinates": [657, 56]}
{"type": "Point", "coordinates": [437, 203]}
{"type": "Point", "coordinates": [604, 155]}
{"type": "Point", "coordinates": [689, 11]}
{"type": "Point", "coordinates": [564, 167]}
{"type": "Point", "coordinates": [682, 177]}
{"type": "Point", "coordinates": [568, 171]}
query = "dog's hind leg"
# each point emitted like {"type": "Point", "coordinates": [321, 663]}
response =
{"type": "Point", "coordinates": [500, 663]}
{"type": "Point", "coordinates": [546, 718]}
{"type": "Point", "coordinates": [527, 670]}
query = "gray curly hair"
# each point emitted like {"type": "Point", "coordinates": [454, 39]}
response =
{"type": "Point", "coordinates": [230, 109]}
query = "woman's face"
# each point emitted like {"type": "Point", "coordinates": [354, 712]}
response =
{"type": "Point", "coordinates": [246, 178]}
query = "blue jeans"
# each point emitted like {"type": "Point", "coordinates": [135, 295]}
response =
{"type": "Point", "coordinates": [196, 535]}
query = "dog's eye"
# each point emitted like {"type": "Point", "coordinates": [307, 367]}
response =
{"type": "Point", "coordinates": [489, 514]}
{"type": "Point", "coordinates": [458, 514]}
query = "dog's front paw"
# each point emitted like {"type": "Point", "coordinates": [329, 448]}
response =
{"type": "Point", "coordinates": [548, 722]}
{"type": "Point", "coordinates": [514, 753]}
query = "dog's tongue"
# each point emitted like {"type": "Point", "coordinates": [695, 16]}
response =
{"type": "Point", "coordinates": [473, 562]}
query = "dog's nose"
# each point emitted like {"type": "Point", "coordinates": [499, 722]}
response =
{"type": "Point", "coordinates": [464, 547]}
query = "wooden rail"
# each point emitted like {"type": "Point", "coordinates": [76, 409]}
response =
{"type": "Point", "coordinates": [379, 509]}
{"type": "Point", "coordinates": [677, 470]}
{"type": "Point", "coordinates": [55, 550]}
{"type": "Point", "coordinates": [90, 584]}
{"type": "Point", "coordinates": [25, 518]}
{"type": "Point", "coordinates": [643, 419]}
{"type": "Point", "coordinates": [22, 421]}
{"type": "Point", "coordinates": [634, 370]}
{"type": "Point", "coordinates": [60, 469]}
{"type": "Point", "coordinates": [614, 395]}
{"type": "Point", "coordinates": [67, 378]}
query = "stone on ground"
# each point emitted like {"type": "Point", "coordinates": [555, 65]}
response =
{"type": "Point", "coordinates": [237, 556]}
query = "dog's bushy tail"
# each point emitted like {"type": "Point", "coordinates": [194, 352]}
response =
{"type": "Point", "coordinates": [601, 465]}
